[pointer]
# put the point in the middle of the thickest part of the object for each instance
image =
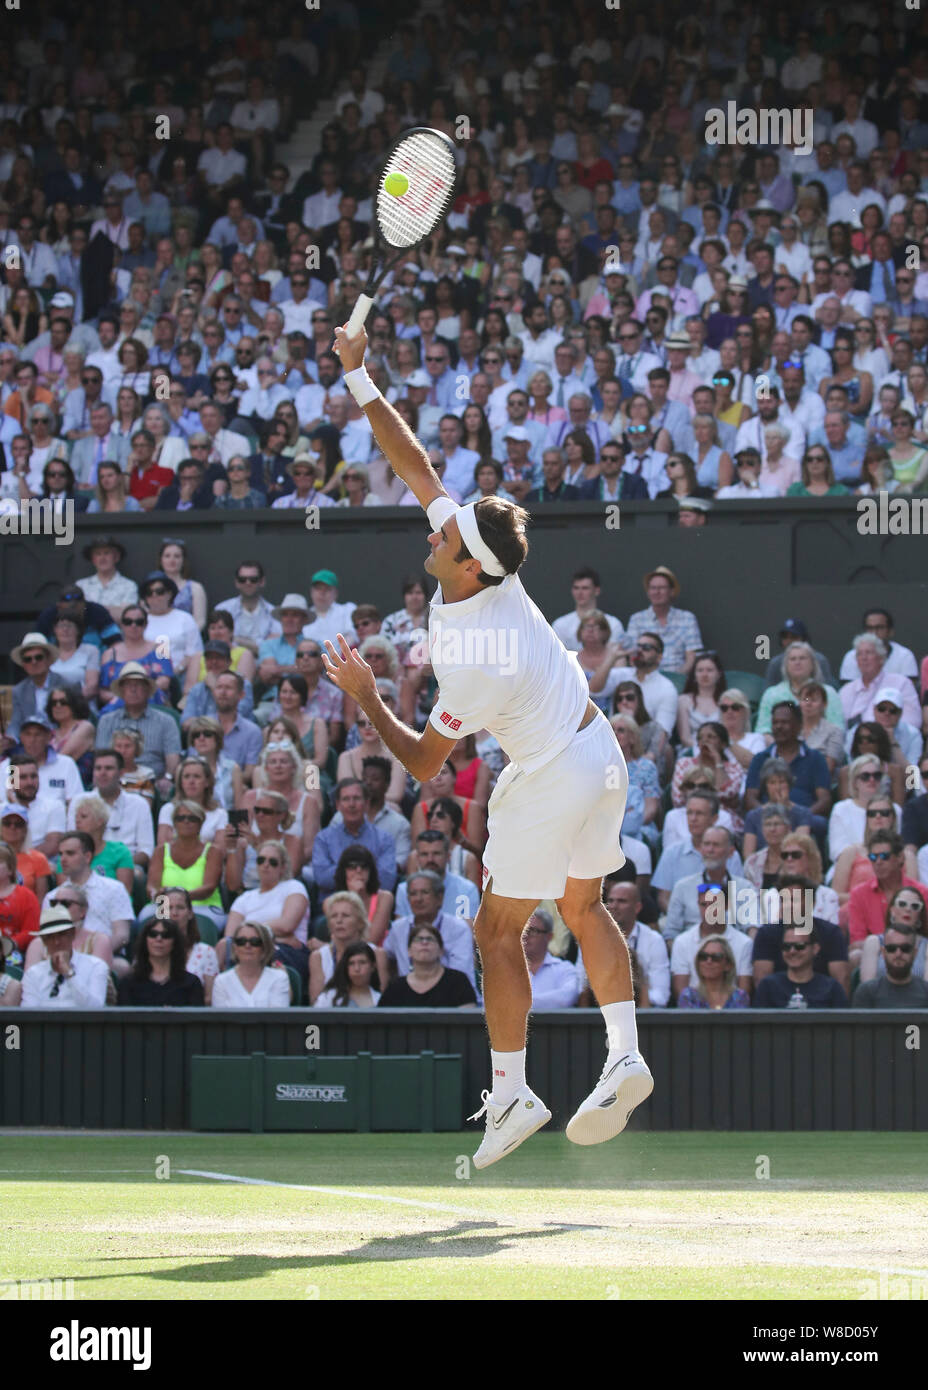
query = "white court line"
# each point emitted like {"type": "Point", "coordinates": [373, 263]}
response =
{"type": "Point", "coordinates": [341, 1192]}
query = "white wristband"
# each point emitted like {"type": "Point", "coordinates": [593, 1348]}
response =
{"type": "Point", "coordinates": [361, 386]}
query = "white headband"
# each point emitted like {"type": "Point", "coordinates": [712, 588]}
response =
{"type": "Point", "coordinates": [470, 535]}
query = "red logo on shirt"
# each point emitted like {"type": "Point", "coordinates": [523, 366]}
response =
{"type": "Point", "coordinates": [452, 723]}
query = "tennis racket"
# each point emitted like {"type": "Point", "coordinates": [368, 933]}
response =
{"type": "Point", "coordinates": [426, 158]}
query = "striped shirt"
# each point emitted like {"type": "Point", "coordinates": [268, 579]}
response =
{"type": "Point", "coordinates": [679, 633]}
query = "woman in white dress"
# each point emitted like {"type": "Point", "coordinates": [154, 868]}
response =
{"type": "Point", "coordinates": [253, 982]}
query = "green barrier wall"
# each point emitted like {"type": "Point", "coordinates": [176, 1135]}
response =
{"type": "Point", "coordinates": [741, 1070]}
{"type": "Point", "coordinates": [751, 567]}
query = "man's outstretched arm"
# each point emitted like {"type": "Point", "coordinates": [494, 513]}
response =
{"type": "Point", "coordinates": [406, 456]}
{"type": "Point", "coordinates": [421, 754]}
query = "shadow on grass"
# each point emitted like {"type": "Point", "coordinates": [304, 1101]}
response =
{"type": "Point", "coordinates": [458, 1241]}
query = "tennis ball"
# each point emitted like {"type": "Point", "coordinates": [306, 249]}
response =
{"type": "Point", "coordinates": [397, 184]}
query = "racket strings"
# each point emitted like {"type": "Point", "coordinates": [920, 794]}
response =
{"type": "Point", "coordinates": [429, 165]}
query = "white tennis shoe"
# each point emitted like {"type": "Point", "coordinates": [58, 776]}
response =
{"type": "Point", "coordinates": [508, 1125]}
{"type": "Point", "coordinates": [625, 1083]}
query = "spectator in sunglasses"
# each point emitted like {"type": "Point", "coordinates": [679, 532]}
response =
{"type": "Point", "coordinates": [799, 854]}
{"type": "Point", "coordinates": [68, 978]}
{"type": "Point", "coordinates": [281, 902]}
{"type": "Point", "coordinates": [256, 980]}
{"type": "Point", "coordinates": [712, 921]}
{"type": "Point", "coordinates": [735, 715]}
{"type": "Point", "coordinates": [716, 973]}
{"type": "Point", "coordinates": [868, 902]}
{"type": "Point", "coordinates": [801, 983]}
{"type": "Point", "coordinates": [201, 958]}
{"type": "Point", "coordinates": [906, 917]}
{"type": "Point", "coordinates": [136, 647]}
{"type": "Point", "coordinates": [905, 739]}
{"type": "Point", "coordinates": [853, 866]}
{"type": "Point", "coordinates": [860, 695]}
{"type": "Point", "coordinates": [188, 861]}
{"type": "Point", "coordinates": [159, 976]}
{"type": "Point", "coordinates": [872, 739]}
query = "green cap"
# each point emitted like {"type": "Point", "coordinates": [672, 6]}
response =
{"type": "Point", "coordinates": [325, 577]}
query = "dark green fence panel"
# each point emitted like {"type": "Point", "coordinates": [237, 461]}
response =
{"type": "Point", "coordinates": [758, 1070]}
{"type": "Point", "coordinates": [753, 565]}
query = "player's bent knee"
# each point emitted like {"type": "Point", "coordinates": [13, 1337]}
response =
{"type": "Point", "coordinates": [579, 896]}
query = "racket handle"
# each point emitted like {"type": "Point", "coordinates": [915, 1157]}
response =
{"type": "Point", "coordinates": [358, 315]}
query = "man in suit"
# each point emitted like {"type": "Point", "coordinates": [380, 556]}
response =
{"type": "Point", "coordinates": [906, 305]}
{"type": "Point", "coordinates": [496, 207]}
{"type": "Point", "coordinates": [269, 465]}
{"type": "Point", "coordinates": [192, 491]}
{"type": "Point", "coordinates": [223, 443]}
{"type": "Point", "coordinates": [613, 483]}
{"type": "Point", "coordinates": [274, 206]}
{"type": "Point", "coordinates": [913, 132]}
{"type": "Point", "coordinates": [69, 185]}
{"type": "Point", "coordinates": [101, 445]}
{"type": "Point", "coordinates": [35, 655]}
{"type": "Point", "coordinates": [879, 278]}
{"type": "Point", "coordinates": [579, 261]}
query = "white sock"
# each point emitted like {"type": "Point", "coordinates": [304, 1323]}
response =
{"type": "Point", "coordinates": [508, 1075]}
{"type": "Point", "coordinates": [621, 1027]}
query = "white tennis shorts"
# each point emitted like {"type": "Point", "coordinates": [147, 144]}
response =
{"type": "Point", "coordinates": [560, 822]}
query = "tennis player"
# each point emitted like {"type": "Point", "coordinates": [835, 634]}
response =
{"type": "Point", "coordinates": [555, 814]}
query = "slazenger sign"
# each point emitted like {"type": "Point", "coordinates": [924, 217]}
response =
{"type": "Point", "coordinates": [323, 1093]}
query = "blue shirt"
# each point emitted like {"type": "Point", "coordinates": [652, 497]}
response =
{"type": "Point", "coordinates": [681, 860]}
{"type": "Point", "coordinates": [624, 199]}
{"type": "Point", "coordinates": [243, 742]}
{"type": "Point", "coordinates": [882, 283]}
{"type": "Point", "coordinates": [331, 843]}
{"type": "Point", "coordinates": [201, 703]}
{"type": "Point", "coordinates": [821, 992]}
{"type": "Point", "coordinates": [279, 649]}
{"type": "Point", "coordinates": [847, 461]}
{"type": "Point", "coordinates": [455, 887]}
{"type": "Point", "coordinates": [808, 767]}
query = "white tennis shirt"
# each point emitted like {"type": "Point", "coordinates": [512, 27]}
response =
{"type": "Point", "coordinates": [501, 667]}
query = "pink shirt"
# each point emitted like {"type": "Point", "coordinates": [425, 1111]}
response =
{"type": "Point", "coordinates": [859, 699]}
{"type": "Point", "coordinates": [787, 471]}
{"type": "Point", "coordinates": [682, 385]}
{"type": "Point", "coordinates": [867, 907]}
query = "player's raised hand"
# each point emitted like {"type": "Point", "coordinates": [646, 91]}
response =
{"type": "Point", "coordinates": [349, 671]}
{"type": "Point", "coordinates": [351, 351]}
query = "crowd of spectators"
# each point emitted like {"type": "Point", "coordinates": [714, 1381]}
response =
{"type": "Point", "coordinates": [614, 309]}
{"type": "Point", "coordinates": [191, 800]}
